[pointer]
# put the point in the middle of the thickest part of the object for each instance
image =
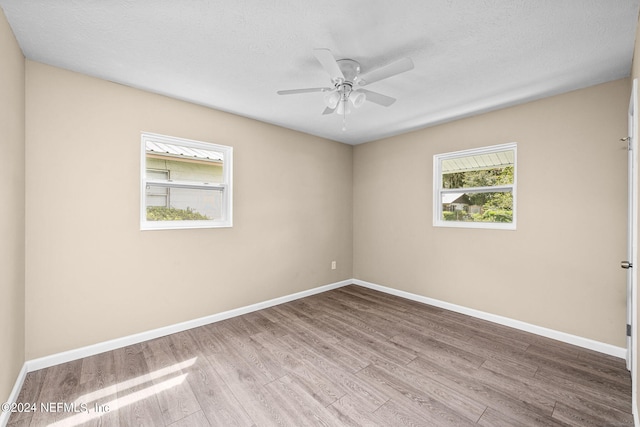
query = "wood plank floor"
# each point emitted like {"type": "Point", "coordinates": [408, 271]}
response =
{"type": "Point", "coordinates": [347, 357]}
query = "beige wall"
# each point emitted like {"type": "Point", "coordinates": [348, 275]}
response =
{"type": "Point", "coordinates": [92, 275]}
{"type": "Point", "coordinates": [560, 268]}
{"type": "Point", "coordinates": [12, 122]}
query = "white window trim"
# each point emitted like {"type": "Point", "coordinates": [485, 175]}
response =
{"type": "Point", "coordinates": [226, 186]}
{"type": "Point", "coordinates": [438, 190]}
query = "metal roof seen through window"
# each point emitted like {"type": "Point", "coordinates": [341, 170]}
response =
{"type": "Point", "coordinates": [162, 148]}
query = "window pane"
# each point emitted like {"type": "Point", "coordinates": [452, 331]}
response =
{"type": "Point", "coordinates": [479, 170]}
{"type": "Point", "coordinates": [477, 207]}
{"type": "Point", "coordinates": [184, 204]}
{"type": "Point", "coordinates": [187, 170]}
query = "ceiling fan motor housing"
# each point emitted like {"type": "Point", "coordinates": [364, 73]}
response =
{"type": "Point", "coordinates": [350, 70]}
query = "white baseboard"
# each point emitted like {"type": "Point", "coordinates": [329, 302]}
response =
{"type": "Point", "coordinates": [517, 324]}
{"type": "Point", "coordinates": [13, 397]}
{"type": "Point", "coordinates": [67, 356]}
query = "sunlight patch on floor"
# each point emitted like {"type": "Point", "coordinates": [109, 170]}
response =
{"type": "Point", "coordinates": [95, 410]}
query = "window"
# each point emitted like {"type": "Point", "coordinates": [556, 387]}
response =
{"type": "Point", "coordinates": [184, 183]}
{"type": "Point", "coordinates": [476, 188]}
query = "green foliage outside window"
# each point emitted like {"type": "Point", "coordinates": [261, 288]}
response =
{"type": "Point", "coordinates": [161, 213]}
{"type": "Point", "coordinates": [454, 215]}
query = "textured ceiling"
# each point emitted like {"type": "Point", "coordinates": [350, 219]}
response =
{"type": "Point", "coordinates": [233, 55]}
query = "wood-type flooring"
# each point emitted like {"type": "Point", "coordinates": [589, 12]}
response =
{"type": "Point", "coordinates": [346, 357]}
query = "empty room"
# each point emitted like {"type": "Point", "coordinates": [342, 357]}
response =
{"type": "Point", "coordinates": [256, 213]}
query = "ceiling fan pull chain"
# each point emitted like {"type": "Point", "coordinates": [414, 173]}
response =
{"type": "Point", "coordinates": [344, 119]}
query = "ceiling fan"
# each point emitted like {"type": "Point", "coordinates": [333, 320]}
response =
{"type": "Point", "coordinates": [347, 82]}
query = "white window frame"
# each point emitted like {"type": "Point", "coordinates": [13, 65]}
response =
{"type": "Point", "coordinates": [226, 186]}
{"type": "Point", "coordinates": [438, 191]}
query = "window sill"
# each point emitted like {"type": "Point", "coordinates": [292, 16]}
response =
{"type": "Point", "coordinates": [183, 225]}
{"type": "Point", "coordinates": [480, 225]}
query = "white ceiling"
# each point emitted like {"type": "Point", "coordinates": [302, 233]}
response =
{"type": "Point", "coordinates": [233, 55]}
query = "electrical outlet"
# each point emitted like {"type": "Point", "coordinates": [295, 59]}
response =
{"type": "Point", "coordinates": [333, 265]}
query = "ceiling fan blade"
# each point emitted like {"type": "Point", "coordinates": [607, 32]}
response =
{"type": "Point", "coordinates": [328, 111]}
{"type": "Point", "coordinates": [405, 64]}
{"type": "Point", "coordinates": [377, 98]}
{"type": "Point", "coordinates": [307, 90]}
{"type": "Point", "coordinates": [329, 63]}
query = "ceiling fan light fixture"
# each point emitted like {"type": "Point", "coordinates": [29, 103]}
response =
{"type": "Point", "coordinates": [343, 107]}
{"type": "Point", "coordinates": [331, 99]}
{"type": "Point", "coordinates": [357, 99]}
